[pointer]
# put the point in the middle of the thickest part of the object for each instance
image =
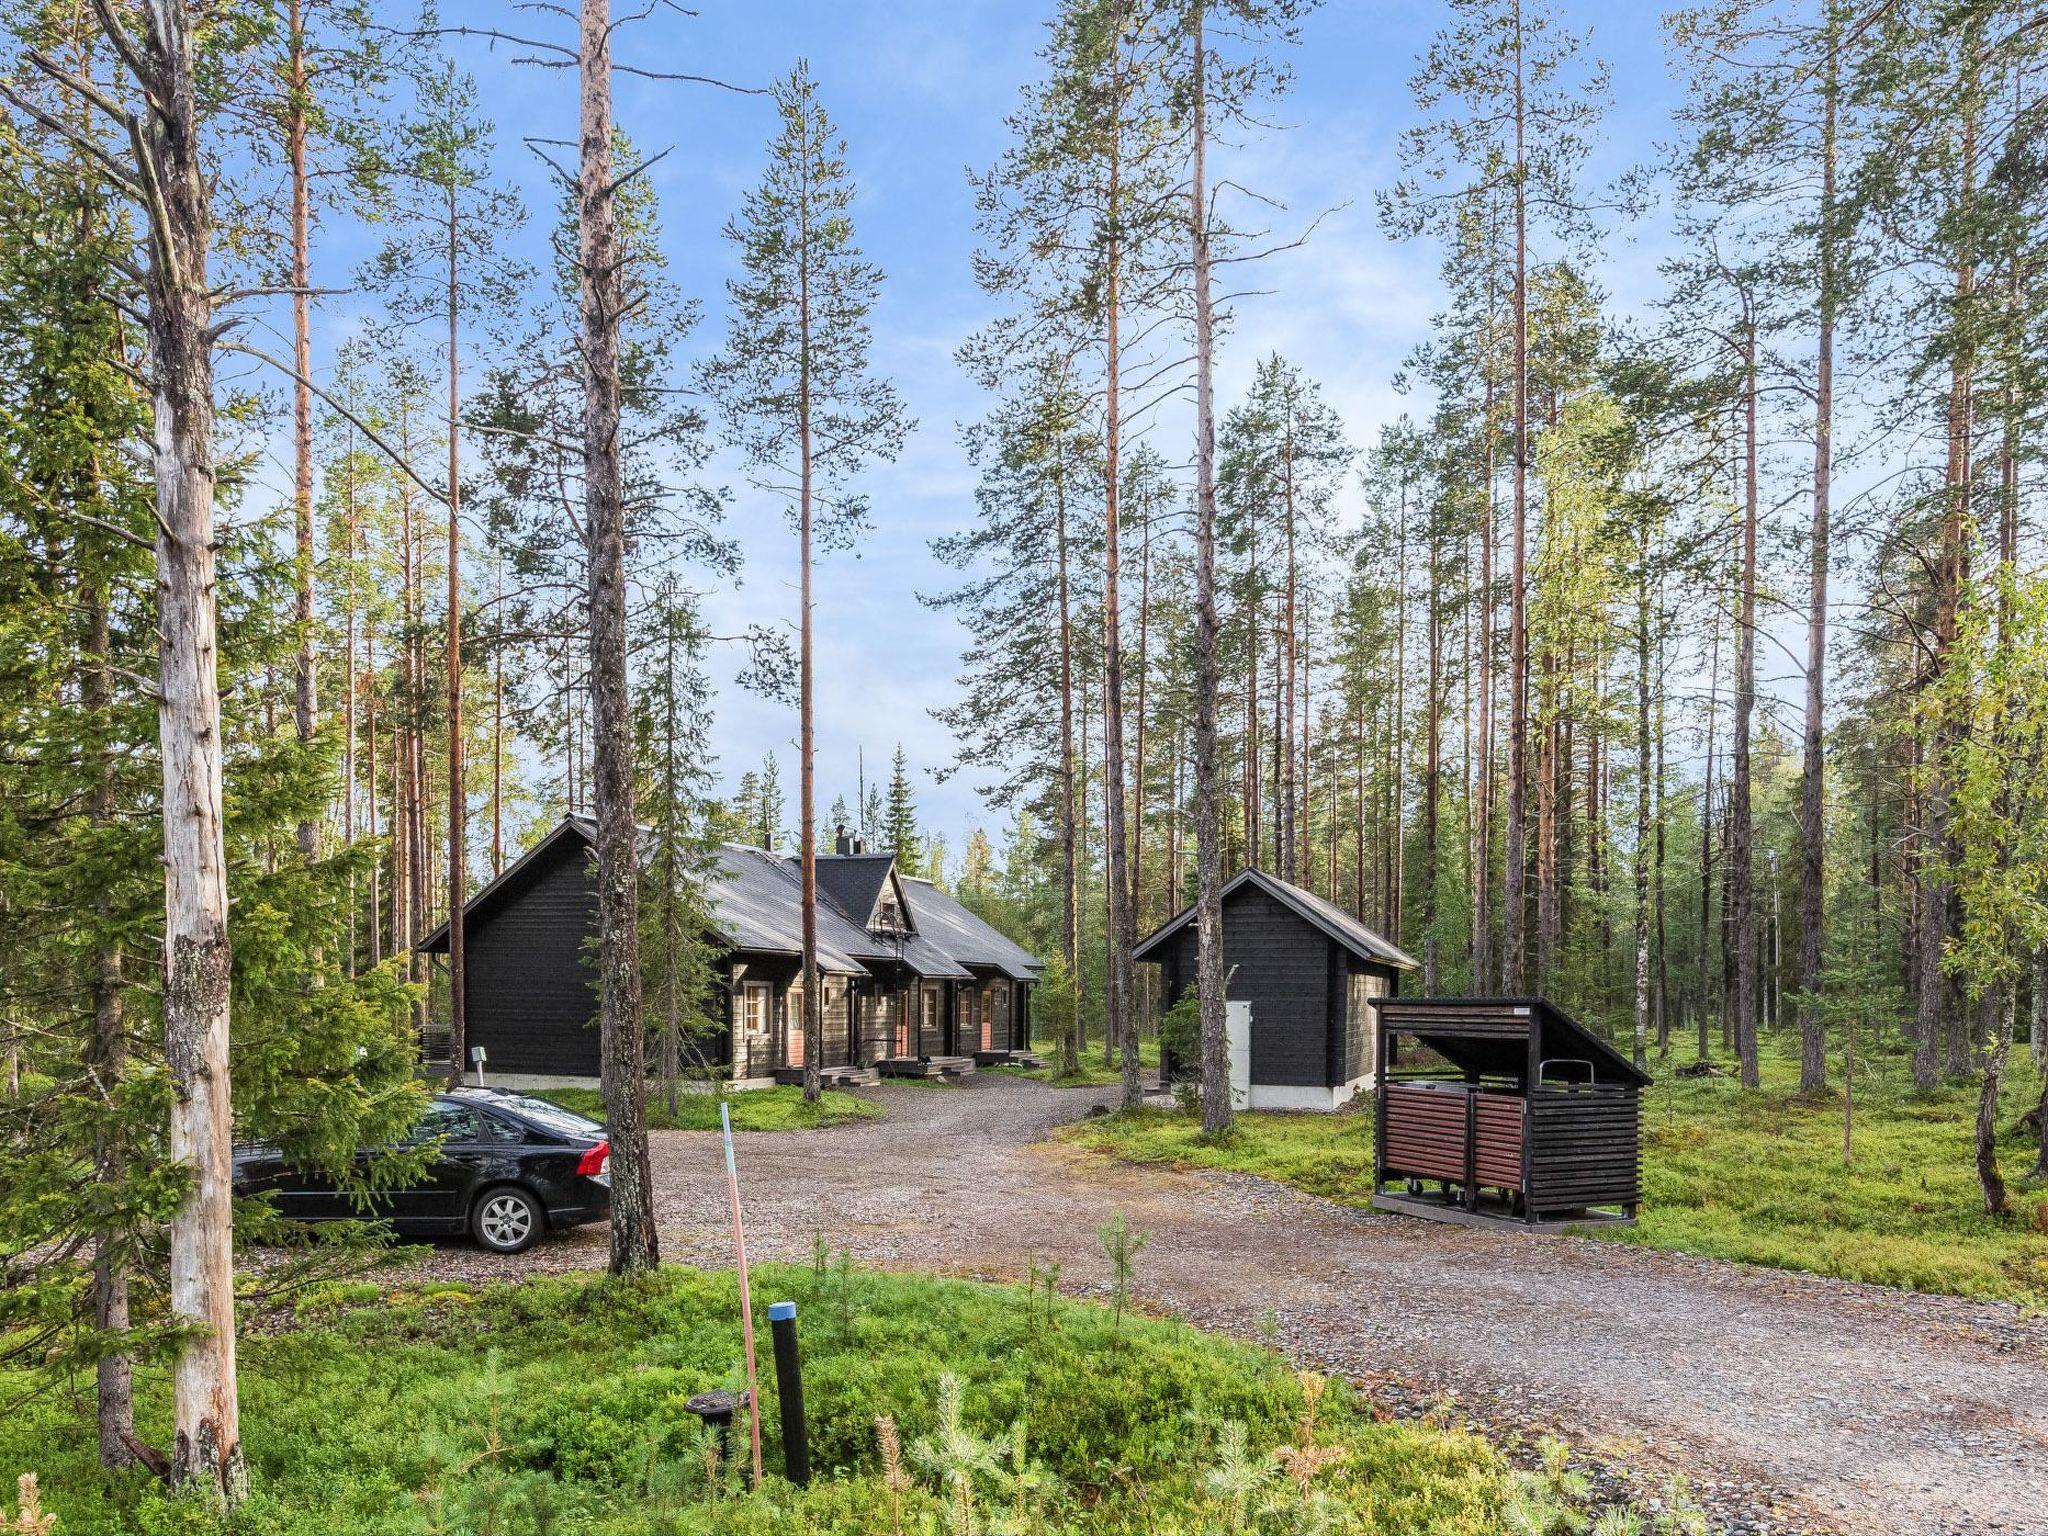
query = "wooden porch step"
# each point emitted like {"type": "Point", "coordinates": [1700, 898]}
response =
{"type": "Point", "coordinates": [925, 1066]}
{"type": "Point", "coordinates": [831, 1077]}
{"type": "Point", "coordinates": [1006, 1059]}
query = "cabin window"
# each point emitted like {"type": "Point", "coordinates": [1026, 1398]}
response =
{"type": "Point", "coordinates": [931, 1016]}
{"type": "Point", "coordinates": [793, 1026]}
{"type": "Point", "coordinates": [889, 913]}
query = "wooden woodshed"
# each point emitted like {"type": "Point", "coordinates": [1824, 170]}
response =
{"type": "Point", "coordinates": [1510, 1108]}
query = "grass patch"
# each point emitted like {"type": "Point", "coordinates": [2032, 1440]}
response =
{"type": "Point", "coordinates": [556, 1405]}
{"type": "Point", "coordinates": [1759, 1177]}
{"type": "Point", "coordinates": [1092, 1073]}
{"type": "Point", "coordinates": [756, 1109]}
{"type": "Point", "coordinates": [1730, 1174]}
{"type": "Point", "coordinates": [1327, 1155]}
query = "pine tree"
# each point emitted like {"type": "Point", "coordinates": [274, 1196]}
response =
{"type": "Point", "coordinates": [803, 401]}
{"type": "Point", "coordinates": [1511, 99]}
{"type": "Point", "coordinates": [444, 265]}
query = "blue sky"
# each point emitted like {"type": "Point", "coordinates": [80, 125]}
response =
{"type": "Point", "coordinates": [920, 93]}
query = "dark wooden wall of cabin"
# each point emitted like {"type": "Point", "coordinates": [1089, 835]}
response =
{"type": "Point", "coordinates": [1283, 971]}
{"type": "Point", "coordinates": [532, 995]}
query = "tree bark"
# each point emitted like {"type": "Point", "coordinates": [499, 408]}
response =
{"type": "Point", "coordinates": [602, 290]}
{"type": "Point", "coordinates": [297, 109]}
{"type": "Point", "coordinates": [206, 1429]}
{"type": "Point", "coordinates": [1514, 942]}
{"type": "Point", "coordinates": [1741, 881]}
{"type": "Point", "coordinates": [1813, 1055]}
{"type": "Point", "coordinates": [1209, 979]}
{"type": "Point", "coordinates": [1644, 775]}
{"type": "Point", "coordinates": [1123, 929]}
{"type": "Point", "coordinates": [458, 788]}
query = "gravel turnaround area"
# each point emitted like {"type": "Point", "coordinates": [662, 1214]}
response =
{"type": "Point", "coordinates": [1794, 1404]}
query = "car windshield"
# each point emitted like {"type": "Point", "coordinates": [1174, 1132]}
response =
{"type": "Point", "coordinates": [549, 1117]}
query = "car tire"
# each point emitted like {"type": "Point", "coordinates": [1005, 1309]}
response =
{"type": "Point", "coordinates": [507, 1219]}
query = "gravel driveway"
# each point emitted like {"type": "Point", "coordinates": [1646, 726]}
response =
{"type": "Point", "coordinates": [1798, 1404]}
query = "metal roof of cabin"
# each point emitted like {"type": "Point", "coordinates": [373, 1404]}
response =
{"type": "Point", "coordinates": [966, 937]}
{"type": "Point", "coordinates": [756, 901]}
{"type": "Point", "coordinates": [1306, 905]}
{"type": "Point", "coordinates": [753, 895]}
{"type": "Point", "coordinates": [1489, 1035]}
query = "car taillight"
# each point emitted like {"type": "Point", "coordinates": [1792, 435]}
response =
{"type": "Point", "coordinates": [595, 1161]}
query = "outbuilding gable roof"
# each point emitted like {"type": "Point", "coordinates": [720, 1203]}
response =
{"type": "Point", "coordinates": [1309, 907]}
{"type": "Point", "coordinates": [1490, 1035]}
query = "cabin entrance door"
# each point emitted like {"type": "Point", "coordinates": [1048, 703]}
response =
{"type": "Point", "coordinates": [755, 998]}
{"type": "Point", "coordinates": [793, 1026]}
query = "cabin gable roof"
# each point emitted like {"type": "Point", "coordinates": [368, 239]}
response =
{"type": "Point", "coordinates": [1331, 919]}
{"type": "Point", "coordinates": [755, 902]}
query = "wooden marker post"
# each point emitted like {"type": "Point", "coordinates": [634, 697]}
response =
{"type": "Point", "coordinates": [739, 1237]}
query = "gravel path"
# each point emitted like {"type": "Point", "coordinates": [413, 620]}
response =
{"type": "Point", "coordinates": [1797, 1404]}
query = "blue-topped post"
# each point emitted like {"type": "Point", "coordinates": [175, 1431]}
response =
{"type": "Point", "coordinates": [789, 1388]}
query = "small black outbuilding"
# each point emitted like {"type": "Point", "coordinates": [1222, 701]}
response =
{"type": "Point", "coordinates": [1511, 1107]}
{"type": "Point", "coordinates": [1302, 977]}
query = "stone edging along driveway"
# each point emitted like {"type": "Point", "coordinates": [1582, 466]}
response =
{"type": "Point", "coordinates": [1795, 1403]}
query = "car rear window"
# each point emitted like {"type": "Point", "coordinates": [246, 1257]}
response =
{"type": "Point", "coordinates": [549, 1117]}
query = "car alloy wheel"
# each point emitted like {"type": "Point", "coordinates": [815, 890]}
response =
{"type": "Point", "coordinates": [506, 1220]}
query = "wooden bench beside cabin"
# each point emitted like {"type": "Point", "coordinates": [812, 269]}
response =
{"type": "Point", "coordinates": [1511, 1107]}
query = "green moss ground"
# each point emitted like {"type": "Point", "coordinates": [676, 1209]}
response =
{"type": "Point", "coordinates": [557, 1406]}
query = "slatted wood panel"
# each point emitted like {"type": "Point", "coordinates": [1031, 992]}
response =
{"type": "Point", "coordinates": [1499, 1125]}
{"type": "Point", "coordinates": [1504, 1021]}
{"type": "Point", "coordinates": [1425, 1133]}
{"type": "Point", "coordinates": [1587, 1146]}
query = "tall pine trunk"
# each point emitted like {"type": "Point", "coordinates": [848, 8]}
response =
{"type": "Point", "coordinates": [1209, 981]}
{"type": "Point", "coordinates": [601, 281]}
{"type": "Point", "coordinates": [206, 1428]}
{"type": "Point", "coordinates": [1813, 1055]}
{"type": "Point", "coordinates": [1742, 889]}
{"type": "Point", "coordinates": [1122, 934]}
{"type": "Point", "coordinates": [1514, 941]}
{"type": "Point", "coordinates": [458, 790]}
{"type": "Point", "coordinates": [297, 108]}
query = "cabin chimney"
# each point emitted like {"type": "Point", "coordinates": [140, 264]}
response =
{"type": "Point", "coordinates": [841, 842]}
{"type": "Point", "coordinates": [860, 845]}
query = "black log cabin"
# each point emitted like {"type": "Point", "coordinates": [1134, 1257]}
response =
{"type": "Point", "coordinates": [1308, 973]}
{"type": "Point", "coordinates": [914, 983]}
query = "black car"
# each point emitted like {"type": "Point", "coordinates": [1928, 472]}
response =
{"type": "Point", "coordinates": [509, 1168]}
